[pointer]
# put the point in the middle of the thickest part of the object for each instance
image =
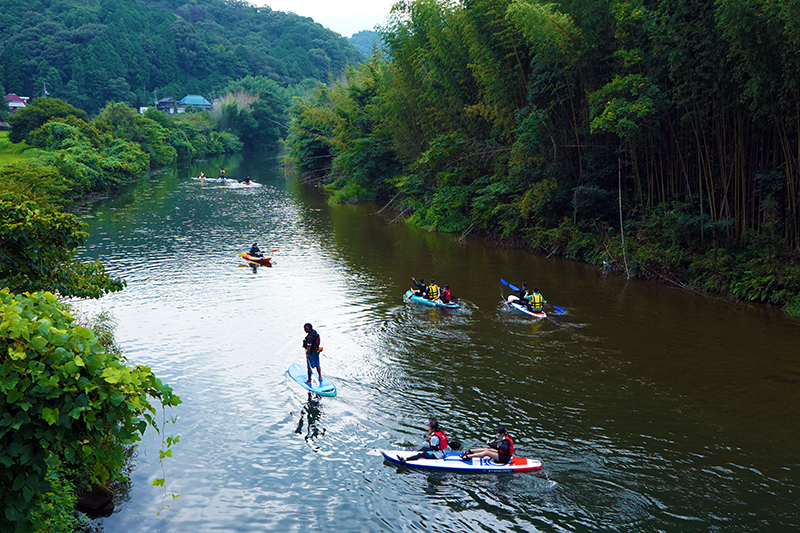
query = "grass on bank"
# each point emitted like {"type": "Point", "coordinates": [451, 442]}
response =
{"type": "Point", "coordinates": [12, 153]}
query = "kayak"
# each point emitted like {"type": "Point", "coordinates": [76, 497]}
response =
{"type": "Point", "coordinates": [409, 295]}
{"type": "Point", "coordinates": [522, 308]}
{"type": "Point", "coordinates": [452, 462]}
{"type": "Point", "coordinates": [253, 259]}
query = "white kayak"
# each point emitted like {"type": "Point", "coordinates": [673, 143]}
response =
{"type": "Point", "coordinates": [453, 462]}
{"type": "Point", "coordinates": [513, 301]}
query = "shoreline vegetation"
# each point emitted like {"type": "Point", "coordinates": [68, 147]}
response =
{"type": "Point", "coordinates": [72, 404]}
{"type": "Point", "coordinates": [655, 139]}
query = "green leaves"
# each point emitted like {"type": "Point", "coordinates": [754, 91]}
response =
{"type": "Point", "coordinates": [36, 250]}
{"type": "Point", "coordinates": [63, 398]}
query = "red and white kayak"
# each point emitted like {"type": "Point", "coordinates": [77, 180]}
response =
{"type": "Point", "coordinates": [453, 462]}
{"type": "Point", "coordinates": [522, 308]}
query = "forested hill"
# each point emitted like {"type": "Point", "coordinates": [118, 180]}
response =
{"type": "Point", "coordinates": [89, 52]}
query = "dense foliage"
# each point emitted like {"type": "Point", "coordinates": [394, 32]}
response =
{"type": "Point", "coordinates": [89, 53]}
{"type": "Point", "coordinates": [66, 402]}
{"type": "Point", "coordinates": [660, 136]}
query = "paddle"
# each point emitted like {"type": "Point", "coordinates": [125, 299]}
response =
{"type": "Point", "coordinates": [513, 288]}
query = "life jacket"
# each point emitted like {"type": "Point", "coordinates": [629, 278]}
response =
{"type": "Point", "coordinates": [433, 291]}
{"type": "Point", "coordinates": [442, 440]}
{"type": "Point", "coordinates": [537, 302]}
{"type": "Point", "coordinates": [510, 445]}
{"type": "Point", "coordinates": [446, 295]}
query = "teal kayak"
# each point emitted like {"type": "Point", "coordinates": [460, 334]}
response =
{"type": "Point", "coordinates": [433, 303]}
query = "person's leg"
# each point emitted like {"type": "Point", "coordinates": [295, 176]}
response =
{"type": "Point", "coordinates": [319, 371]}
{"type": "Point", "coordinates": [308, 367]}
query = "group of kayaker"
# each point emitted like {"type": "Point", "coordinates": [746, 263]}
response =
{"type": "Point", "coordinates": [432, 291]}
{"type": "Point", "coordinates": [500, 450]}
{"type": "Point", "coordinates": [532, 300]}
{"type": "Point", "coordinates": [222, 177]}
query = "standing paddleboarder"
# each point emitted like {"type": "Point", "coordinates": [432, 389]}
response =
{"type": "Point", "coordinates": [311, 344]}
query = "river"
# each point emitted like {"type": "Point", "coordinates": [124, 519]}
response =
{"type": "Point", "coordinates": [651, 408]}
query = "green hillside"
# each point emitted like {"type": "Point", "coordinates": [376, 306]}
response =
{"type": "Point", "coordinates": [89, 52]}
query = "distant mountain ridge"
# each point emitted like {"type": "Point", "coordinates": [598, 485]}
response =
{"type": "Point", "coordinates": [88, 52]}
{"type": "Point", "coordinates": [365, 40]}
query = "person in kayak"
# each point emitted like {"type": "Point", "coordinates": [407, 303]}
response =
{"type": "Point", "coordinates": [255, 251]}
{"type": "Point", "coordinates": [246, 180]}
{"type": "Point", "coordinates": [446, 296]}
{"type": "Point", "coordinates": [202, 176]}
{"type": "Point", "coordinates": [433, 290]}
{"type": "Point", "coordinates": [222, 174]}
{"type": "Point", "coordinates": [536, 301]}
{"type": "Point", "coordinates": [500, 450]}
{"type": "Point", "coordinates": [422, 289]}
{"type": "Point", "coordinates": [311, 345]}
{"type": "Point", "coordinates": [437, 444]}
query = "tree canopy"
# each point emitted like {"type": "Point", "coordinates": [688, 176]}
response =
{"type": "Point", "coordinates": [92, 52]}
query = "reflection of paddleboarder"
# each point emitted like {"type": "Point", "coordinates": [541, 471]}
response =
{"type": "Point", "coordinates": [311, 411]}
{"type": "Point", "coordinates": [311, 344]}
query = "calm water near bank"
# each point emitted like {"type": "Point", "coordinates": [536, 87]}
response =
{"type": "Point", "coordinates": [652, 409]}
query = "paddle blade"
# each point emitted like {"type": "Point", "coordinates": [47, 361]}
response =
{"type": "Point", "coordinates": [559, 309]}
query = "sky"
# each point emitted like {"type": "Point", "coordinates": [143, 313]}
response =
{"type": "Point", "coordinates": [342, 16]}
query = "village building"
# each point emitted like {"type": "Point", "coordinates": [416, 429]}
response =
{"type": "Point", "coordinates": [16, 102]}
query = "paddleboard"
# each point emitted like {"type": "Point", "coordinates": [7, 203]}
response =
{"type": "Point", "coordinates": [300, 375]}
{"type": "Point", "coordinates": [452, 462]}
{"type": "Point", "coordinates": [522, 308]}
{"type": "Point", "coordinates": [409, 295]}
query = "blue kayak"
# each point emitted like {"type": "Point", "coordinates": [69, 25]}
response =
{"type": "Point", "coordinates": [409, 295]}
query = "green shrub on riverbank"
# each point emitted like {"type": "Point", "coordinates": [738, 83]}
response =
{"type": "Point", "coordinates": [66, 401]}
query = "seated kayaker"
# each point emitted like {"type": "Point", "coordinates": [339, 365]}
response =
{"type": "Point", "coordinates": [536, 300]}
{"type": "Point", "coordinates": [246, 180]}
{"type": "Point", "coordinates": [446, 297]}
{"type": "Point", "coordinates": [500, 450]}
{"type": "Point", "coordinates": [255, 251]}
{"type": "Point", "coordinates": [422, 289]}
{"type": "Point", "coordinates": [202, 176]}
{"type": "Point", "coordinates": [437, 444]}
{"type": "Point", "coordinates": [433, 290]}
{"type": "Point", "coordinates": [222, 174]}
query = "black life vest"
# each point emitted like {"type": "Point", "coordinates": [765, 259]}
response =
{"type": "Point", "coordinates": [442, 440]}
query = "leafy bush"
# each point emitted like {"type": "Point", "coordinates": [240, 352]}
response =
{"type": "Point", "coordinates": [65, 401]}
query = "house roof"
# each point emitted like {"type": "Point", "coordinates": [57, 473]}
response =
{"type": "Point", "coordinates": [11, 97]}
{"type": "Point", "coordinates": [194, 99]}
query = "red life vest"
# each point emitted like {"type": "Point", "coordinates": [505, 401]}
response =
{"type": "Point", "coordinates": [510, 445]}
{"type": "Point", "coordinates": [446, 296]}
{"type": "Point", "coordinates": [442, 440]}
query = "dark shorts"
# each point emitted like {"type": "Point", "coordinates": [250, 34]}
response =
{"type": "Point", "coordinates": [312, 360]}
{"type": "Point", "coordinates": [502, 458]}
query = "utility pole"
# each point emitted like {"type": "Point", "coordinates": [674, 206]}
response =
{"type": "Point", "coordinates": [44, 90]}
{"type": "Point", "coordinates": [155, 96]}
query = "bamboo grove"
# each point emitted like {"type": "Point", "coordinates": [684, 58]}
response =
{"type": "Point", "coordinates": [660, 136]}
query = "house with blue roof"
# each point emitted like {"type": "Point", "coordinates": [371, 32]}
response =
{"type": "Point", "coordinates": [195, 100]}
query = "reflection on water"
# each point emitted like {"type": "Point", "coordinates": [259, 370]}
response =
{"type": "Point", "coordinates": [651, 409]}
{"type": "Point", "coordinates": [309, 417]}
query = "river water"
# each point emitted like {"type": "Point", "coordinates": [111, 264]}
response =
{"type": "Point", "coordinates": [652, 408]}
